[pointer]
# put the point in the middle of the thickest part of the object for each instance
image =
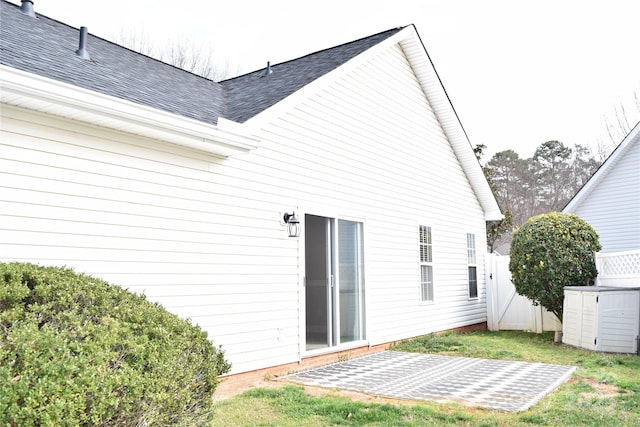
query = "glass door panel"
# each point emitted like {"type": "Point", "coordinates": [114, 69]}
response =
{"type": "Point", "coordinates": [350, 281]}
{"type": "Point", "coordinates": [334, 282]}
{"type": "Point", "coordinates": [317, 275]}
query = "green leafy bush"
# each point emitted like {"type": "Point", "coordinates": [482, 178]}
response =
{"type": "Point", "coordinates": [75, 350]}
{"type": "Point", "coordinates": [549, 252]}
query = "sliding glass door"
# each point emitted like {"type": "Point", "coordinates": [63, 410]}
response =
{"type": "Point", "coordinates": [334, 297]}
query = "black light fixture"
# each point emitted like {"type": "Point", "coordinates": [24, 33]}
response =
{"type": "Point", "coordinates": [294, 224]}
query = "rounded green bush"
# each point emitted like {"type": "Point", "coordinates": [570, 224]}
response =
{"type": "Point", "coordinates": [77, 351]}
{"type": "Point", "coordinates": [549, 252]}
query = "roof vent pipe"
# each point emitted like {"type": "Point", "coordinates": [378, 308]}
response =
{"type": "Point", "coordinates": [82, 47]}
{"type": "Point", "coordinates": [267, 70]}
{"type": "Point", "coordinates": [27, 8]}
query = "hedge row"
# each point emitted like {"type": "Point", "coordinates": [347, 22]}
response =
{"type": "Point", "coordinates": [77, 351]}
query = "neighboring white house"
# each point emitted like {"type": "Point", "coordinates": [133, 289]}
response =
{"type": "Point", "coordinates": [174, 186]}
{"type": "Point", "coordinates": [610, 202]}
{"type": "Point", "coordinates": [610, 199]}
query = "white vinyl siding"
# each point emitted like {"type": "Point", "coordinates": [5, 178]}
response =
{"type": "Point", "coordinates": [167, 222]}
{"type": "Point", "coordinates": [202, 236]}
{"type": "Point", "coordinates": [612, 208]}
{"type": "Point", "coordinates": [382, 155]}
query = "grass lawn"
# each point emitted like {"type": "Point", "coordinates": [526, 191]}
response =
{"type": "Point", "coordinates": [603, 391]}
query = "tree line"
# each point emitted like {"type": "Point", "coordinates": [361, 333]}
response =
{"type": "Point", "coordinates": [525, 187]}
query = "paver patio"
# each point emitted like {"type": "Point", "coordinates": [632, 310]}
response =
{"type": "Point", "coordinates": [492, 384]}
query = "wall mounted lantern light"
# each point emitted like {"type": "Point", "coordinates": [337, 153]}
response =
{"type": "Point", "coordinates": [293, 223]}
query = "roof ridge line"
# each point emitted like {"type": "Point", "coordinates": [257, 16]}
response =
{"type": "Point", "coordinates": [396, 29]}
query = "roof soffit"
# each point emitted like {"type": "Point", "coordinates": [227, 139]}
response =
{"type": "Point", "coordinates": [437, 96]}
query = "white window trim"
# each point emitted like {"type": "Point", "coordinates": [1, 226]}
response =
{"type": "Point", "coordinates": [428, 264]}
{"type": "Point", "coordinates": [472, 261]}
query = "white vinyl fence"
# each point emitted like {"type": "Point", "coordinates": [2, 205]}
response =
{"type": "Point", "coordinates": [618, 269]}
{"type": "Point", "coordinates": [506, 310]}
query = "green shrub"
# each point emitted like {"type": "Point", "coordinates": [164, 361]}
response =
{"type": "Point", "coordinates": [75, 350]}
{"type": "Point", "coordinates": [549, 252]}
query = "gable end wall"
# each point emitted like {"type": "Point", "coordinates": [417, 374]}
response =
{"type": "Point", "coordinates": [369, 147]}
{"type": "Point", "coordinates": [202, 235]}
{"type": "Point", "coordinates": [613, 206]}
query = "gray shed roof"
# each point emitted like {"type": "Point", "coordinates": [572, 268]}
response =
{"type": "Point", "coordinates": [46, 47]}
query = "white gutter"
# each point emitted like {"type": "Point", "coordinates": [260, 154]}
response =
{"type": "Point", "coordinates": [34, 92]}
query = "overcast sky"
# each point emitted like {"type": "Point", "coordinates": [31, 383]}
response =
{"type": "Point", "coordinates": [518, 73]}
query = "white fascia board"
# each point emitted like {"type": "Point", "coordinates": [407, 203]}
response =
{"type": "Point", "coordinates": [632, 137]}
{"type": "Point", "coordinates": [31, 91]}
{"type": "Point", "coordinates": [437, 96]}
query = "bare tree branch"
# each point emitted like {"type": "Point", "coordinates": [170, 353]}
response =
{"type": "Point", "coordinates": [182, 53]}
{"type": "Point", "coordinates": [624, 119]}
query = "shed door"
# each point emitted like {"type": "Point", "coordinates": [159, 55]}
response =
{"type": "Point", "coordinates": [334, 279]}
{"type": "Point", "coordinates": [618, 324]}
{"type": "Point", "coordinates": [589, 320]}
{"type": "Point", "coordinates": [572, 313]}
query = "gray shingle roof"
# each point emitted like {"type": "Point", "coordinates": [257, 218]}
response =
{"type": "Point", "coordinates": [252, 93]}
{"type": "Point", "coordinates": [47, 47]}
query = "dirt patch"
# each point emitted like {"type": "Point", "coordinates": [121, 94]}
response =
{"type": "Point", "coordinates": [227, 391]}
{"type": "Point", "coordinates": [601, 390]}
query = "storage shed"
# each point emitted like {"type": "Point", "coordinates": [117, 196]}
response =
{"type": "Point", "coordinates": [602, 318]}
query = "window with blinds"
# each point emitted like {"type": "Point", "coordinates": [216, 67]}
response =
{"type": "Point", "coordinates": [472, 266]}
{"type": "Point", "coordinates": [426, 264]}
